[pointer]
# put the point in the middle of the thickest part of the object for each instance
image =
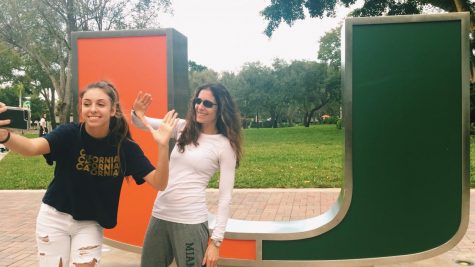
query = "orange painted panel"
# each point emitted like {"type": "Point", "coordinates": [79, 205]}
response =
{"type": "Point", "coordinates": [131, 63]}
{"type": "Point", "coordinates": [238, 249]}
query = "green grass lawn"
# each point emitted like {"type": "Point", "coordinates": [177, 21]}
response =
{"type": "Point", "coordinates": [18, 172]}
{"type": "Point", "coordinates": [295, 157]}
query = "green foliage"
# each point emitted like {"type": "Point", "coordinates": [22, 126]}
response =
{"type": "Point", "coordinates": [38, 107]}
{"type": "Point", "coordinates": [330, 120]}
{"type": "Point", "coordinates": [193, 66]}
{"type": "Point", "coordinates": [41, 31]}
{"type": "Point", "coordinates": [9, 96]}
{"type": "Point", "coordinates": [283, 93]}
{"type": "Point", "coordinates": [198, 78]}
{"type": "Point", "coordinates": [256, 93]}
{"type": "Point", "coordinates": [10, 61]}
{"type": "Point", "coordinates": [329, 50]}
{"type": "Point", "coordinates": [261, 124]}
{"type": "Point", "coordinates": [290, 11]}
{"type": "Point", "coordinates": [339, 124]}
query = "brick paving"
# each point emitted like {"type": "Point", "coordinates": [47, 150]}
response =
{"type": "Point", "coordinates": [18, 211]}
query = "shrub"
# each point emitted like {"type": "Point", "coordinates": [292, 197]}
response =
{"type": "Point", "coordinates": [339, 124]}
{"type": "Point", "coordinates": [330, 120]}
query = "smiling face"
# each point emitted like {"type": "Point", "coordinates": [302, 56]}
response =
{"type": "Point", "coordinates": [96, 111]}
{"type": "Point", "coordinates": [204, 115]}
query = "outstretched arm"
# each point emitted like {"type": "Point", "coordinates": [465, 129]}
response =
{"type": "Point", "coordinates": [226, 184]}
{"type": "Point", "coordinates": [21, 144]}
{"type": "Point", "coordinates": [159, 177]}
{"type": "Point", "coordinates": [139, 108]}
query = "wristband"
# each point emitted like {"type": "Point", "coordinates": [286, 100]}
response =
{"type": "Point", "coordinates": [6, 139]}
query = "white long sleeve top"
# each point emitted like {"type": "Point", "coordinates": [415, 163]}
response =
{"type": "Point", "coordinates": [184, 199]}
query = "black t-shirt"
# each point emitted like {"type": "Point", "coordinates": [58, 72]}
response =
{"type": "Point", "coordinates": [87, 177]}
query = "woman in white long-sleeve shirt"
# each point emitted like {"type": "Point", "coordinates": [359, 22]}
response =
{"type": "Point", "coordinates": [208, 140]}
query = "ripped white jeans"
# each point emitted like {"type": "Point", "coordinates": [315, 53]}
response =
{"type": "Point", "coordinates": [61, 238]}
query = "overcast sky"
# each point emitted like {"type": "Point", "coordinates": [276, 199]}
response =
{"type": "Point", "coordinates": [225, 34]}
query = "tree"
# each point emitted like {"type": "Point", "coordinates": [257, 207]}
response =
{"type": "Point", "coordinates": [259, 95]}
{"type": "Point", "coordinates": [330, 53]}
{"type": "Point", "coordinates": [9, 96]}
{"type": "Point", "coordinates": [231, 82]}
{"type": "Point", "coordinates": [315, 85]}
{"type": "Point", "coordinates": [330, 48]}
{"type": "Point", "coordinates": [198, 78]}
{"type": "Point", "coordinates": [41, 88]}
{"type": "Point", "coordinates": [290, 11]}
{"type": "Point", "coordinates": [193, 66]}
{"type": "Point", "coordinates": [42, 29]}
{"type": "Point", "coordinates": [11, 61]}
{"type": "Point", "coordinates": [286, 84]}
{"type": "Point", "coordinates": [23, 74]}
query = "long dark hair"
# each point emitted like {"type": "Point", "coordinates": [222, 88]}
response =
{"type": "Point", "coordinates": [118, 126]}
{"type": "Point", "coordinates": [228, 120]}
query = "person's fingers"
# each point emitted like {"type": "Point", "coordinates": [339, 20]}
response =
{"type": "Point", "coordinates": [3, 107]}
{"type": "Point", "coordinates": [142, 100]}
{"type": "Point", "coordinates": [137, 99]}
{"type": "Point", "coordinates": [4, 122]}
{"type": "Point", "coordinates": [169, 117]}
{"type": "Point", "coordinates": [166, 119]}
{"type": "Point", "coordinates": [205, 259]}
{"type": "Point", "coordinates": [174, 120]}
{"type": "Point", "coordinates": [147, 99]}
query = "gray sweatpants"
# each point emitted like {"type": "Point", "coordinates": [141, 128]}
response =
{"type": "Point", "coordinates": [166, 240]}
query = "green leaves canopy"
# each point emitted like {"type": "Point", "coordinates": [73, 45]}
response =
{"type": "Point", "coordinates": [289, 11]}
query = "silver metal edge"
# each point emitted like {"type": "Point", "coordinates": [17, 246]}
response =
{"type": "Point", "coordinates": [407, 18]}
{"type": "Point", "coordinates": [74, 86]}
{"type": "Point", "coordinates": [122, 246]}
{"type": "Point", "coordinates": [120, 33]}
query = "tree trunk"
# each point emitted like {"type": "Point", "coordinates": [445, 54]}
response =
{"type": "Point", "coordinates": [52, 114]}
{"type": "Point", "coordinates": [458, 5]}
{"type": "Point", "coordinates": [306, 120]}
{"type": "Point", "coordinates": [274, 122]}
{"type": "Point", "coordinates": [315, 109]}
{"type": "Point", "coordinates": [257, 119]}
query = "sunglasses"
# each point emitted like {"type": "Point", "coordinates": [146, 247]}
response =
{"type": "Point", "coordinates": [206, 103]}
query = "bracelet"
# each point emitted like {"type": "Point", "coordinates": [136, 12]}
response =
{"type": "Point", "coordinates": [6, 139]}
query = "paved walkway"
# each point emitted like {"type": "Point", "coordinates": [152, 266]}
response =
{"type": "Point", "coordinates": [18, 211]}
